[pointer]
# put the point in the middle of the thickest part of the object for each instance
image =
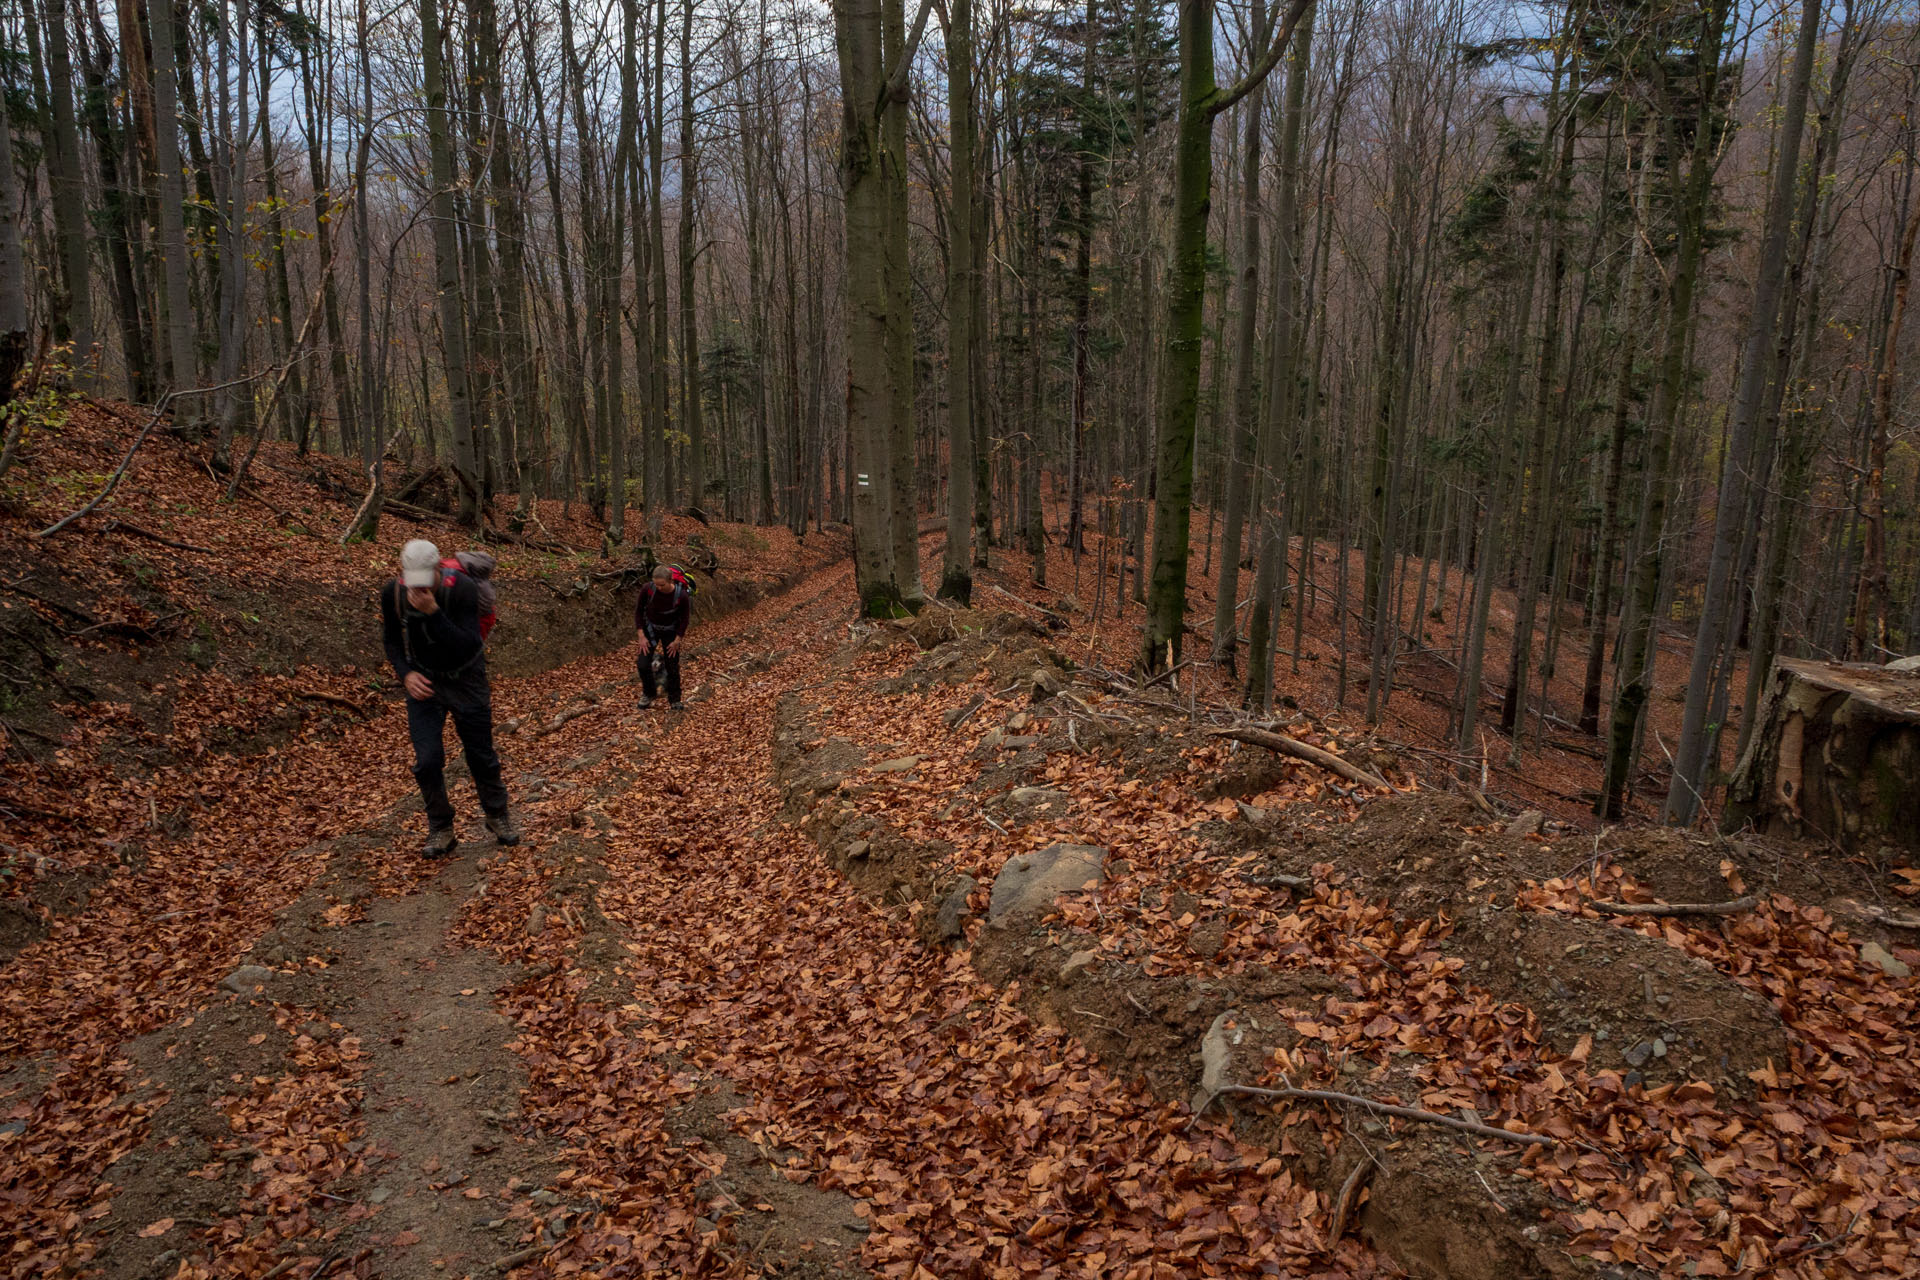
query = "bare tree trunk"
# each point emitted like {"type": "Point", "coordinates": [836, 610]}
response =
{"type": "Point", "coordinates": [446, 256]}
{"type": "Point", "coordinates": [183, 371]}
{"type": "Point", "coordinates": [1690, 780]}
{"type": "Point", "coordinates": [1285, 335]}
{"type": "Point", "coordinates": [1201, 102]}
{"type": "Point", "coordinates": [691, 411]}
{"type": "Point", "coordinates": [869, 169]}
{"type": "Point", "coordinates": [1241, 452]}
{"type": "Point", "coordinates": [13, 272]}
{"type": "Point", "coordinates": [1870, 640]}
{"type": "Point", "coordinates": [956, 581]}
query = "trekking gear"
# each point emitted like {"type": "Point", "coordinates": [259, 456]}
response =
{"type": "Point", "coordinates": [504, 828]}
{"type": "Point", "coordinates": [676, 706]}
{"type": "Point", "coordinates": [477, 565]}
{"type": "Point", "coordinates": [683, 582]}
{"type": "Point", "coordinates": [646, 700]}
{"type": "Point", "coordinates": [441, 842]}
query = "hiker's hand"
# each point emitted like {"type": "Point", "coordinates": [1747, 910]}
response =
{"type": "Point", "coordinates": [419, 688]}
{"type": "Point", "coordinates": [422, 599]}
{"type": "Point", "coordinates": [673, 647]}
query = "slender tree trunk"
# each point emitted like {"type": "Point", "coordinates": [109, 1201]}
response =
{"type": "Point", "coordinates": [183, 371]}
{"type": "Point", "coordinates": [13, 272]}
{"type": "Point", "coordinates": [1711, 646]}
{"type": "Point", "coordinates": [1241, 451]}
{"type": "Point", "coordinates": [956, 581]}
{"type": "Point", "coordinates": [446, 256]}
{"type": "Point", "coordinates": [1201, 101]}
{"type": "Point", "coordinates": [1870, 641]}
{"type": "Point", "coordinates": [1285, 334]}
{"type": "Point", "coordinates": [64, 172]}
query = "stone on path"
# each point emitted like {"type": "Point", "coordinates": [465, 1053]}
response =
{"type": "Point", "coordinates": [1031, 881]}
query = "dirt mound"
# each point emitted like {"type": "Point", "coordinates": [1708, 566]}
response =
{"type": "Point", "coordinates": [1433, 851]}
{"type": "Point", "coordinates": [1619, 1000]}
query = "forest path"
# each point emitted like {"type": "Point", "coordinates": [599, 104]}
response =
{"type": "Point", "coordinates": [661, 1035]}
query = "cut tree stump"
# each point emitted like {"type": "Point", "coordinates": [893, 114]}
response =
{"type": "Point", "coordinates": [1835, 752]}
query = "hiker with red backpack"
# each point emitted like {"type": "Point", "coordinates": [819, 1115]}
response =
{"type": "Point", "coordinates": [435, 618]}
{"type": "Point", "coordinates": [660, 616]}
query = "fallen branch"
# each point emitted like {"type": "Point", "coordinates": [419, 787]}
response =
{"type": "Point", "coordinates": [1277, 881]}
{"type": "Point", "coordinates": [520, 1257]}
{"type": "Point", "coordinates": [1299, 750]}
{"type": "Point", "coordinates": [127, 526]}
{"type": "Point", "coordinates": [1734, 907]}
{"type": "Point", "coordinates": [575, 713]}
{"type": "Point", "coordinates": [1387, 1108]}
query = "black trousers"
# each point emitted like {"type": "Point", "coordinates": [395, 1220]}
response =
{"type": "Point", "coordinates": [669, 666]}
{"type": "Point", "coordinates": [468, 698]}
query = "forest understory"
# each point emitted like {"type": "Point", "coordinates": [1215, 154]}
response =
{"type": "Point", "coordinates": [760, 994]}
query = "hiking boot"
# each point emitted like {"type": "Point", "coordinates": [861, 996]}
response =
{"type": "Point", "coordinates": [646, 700]}
{"type": "Point", "coordinates": [676, 706]}
{"type": "Point", "coordinates": [441, 843]}
{"type": "Point", "coordinates": [504, 828]}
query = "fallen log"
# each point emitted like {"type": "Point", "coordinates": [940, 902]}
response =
{"type": "Point", "coordinates": [1299, 750]}
{"type": "Point", "coordinates": [1473, 1127]}
{"type": "Point", "coordinates": [1735, 907]}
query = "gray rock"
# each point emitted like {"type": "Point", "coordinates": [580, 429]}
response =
{"type": "Point", "coordinates": [1216, 1057]}
{"type": "Point", "coordinates": [1251, 812]}
{"type": "Point", "coordinates": [1041, 796]}
{"type": "Point", "coordinates": [545, 1198]}
{"type": "Point", "coordinates": [1527, 824]}
{"type": "Point", "coordinates": [13, 1128]}
{"type": "Point", "coordinates": [379, 1195]}
{"type": "Point", "coordinates": [951, 923]}
{"type": "Point", "coordinates": [899, 764]}
{"type": "Point", "coordinates": [1874, 953]}
{"type": "Point", "coordinates": [537, 920]}
{"type": "Point", "coordinates": [247, 977]}
{"type": "Point", "coordinates": [1031, 881]}
{"type": "Point", "coordinates": [1045, 683]}
{"type": "Point", "coordinates": [1659, 1047]}
{"type": "Point", "coordinates": [1076, 962]}
{"type": "Point", "coordinates": [1638, 1055]}
{"type": "Point", "coordinates": [859, 849]}
{"type": "Point", "coordinates": [1018, 742]}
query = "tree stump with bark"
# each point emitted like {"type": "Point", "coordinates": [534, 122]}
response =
{"type": "Point", "coordinates": [1835, 751]}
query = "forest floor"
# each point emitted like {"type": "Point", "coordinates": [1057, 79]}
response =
{"type": "Point", "coordinates": [761, 994]}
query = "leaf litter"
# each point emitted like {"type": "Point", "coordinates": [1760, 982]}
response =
{"type": "Point", "coordinates": [697, 942]}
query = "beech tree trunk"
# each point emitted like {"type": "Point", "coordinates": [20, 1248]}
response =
{"type": "Point", "coordinates": [446, 258]}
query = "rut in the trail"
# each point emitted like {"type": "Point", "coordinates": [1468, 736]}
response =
{"type": "Point", "coordinates": [864, 1062]}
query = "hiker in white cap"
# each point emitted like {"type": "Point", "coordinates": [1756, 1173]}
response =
{"type": "Point", "coordinates": [433, 627]}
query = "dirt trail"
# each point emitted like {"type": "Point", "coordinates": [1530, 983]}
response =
{"type": "Point", "coordinates": [661, 1035]}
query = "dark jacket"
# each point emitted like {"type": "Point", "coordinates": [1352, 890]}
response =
{"type": "Point", "coordinates": [434, 644]}
{"type": "Point", "coordinates": [663, 615]}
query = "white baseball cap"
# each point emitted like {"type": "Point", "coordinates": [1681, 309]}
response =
{"type": "Point", "coordinates": [419, 564]}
